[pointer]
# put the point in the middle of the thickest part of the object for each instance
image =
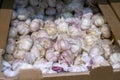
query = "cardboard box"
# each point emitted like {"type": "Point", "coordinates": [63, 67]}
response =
{"type": "Point", "coordinates": [101, 73]}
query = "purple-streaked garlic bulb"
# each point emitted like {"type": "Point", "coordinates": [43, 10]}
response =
{"type": "Point", "coordinates": [10, 48]}
{"type": "Point", "coordinates": [81, 68]}
{"type": "Point", "coordinates": [98, 20]}
{"type": "Point", "coordinates": [50, 11]}
{"type": "Point", "coordinates": [115, 58]}
{"type": "Point", "coordinates": [21, 3]}
{"type": "Point", "coordinates": [107, 46]}
{"type": "Point", "coordinates": [40, 34]}
{"type": "Point", "coordinates": [13, 32]}
{"type": "Point", "coordinates": [50, 28]}
{"type": "Point", "coordinates": [75, 6]}
{"type": "Point", "coordinates": [61, 45]}
{"type": "Point", "coordinates": [20, 54]}
{"type": "Point", "coordinates": [25, 42]}
{"type": "Point", "coordinates": [14, 14]}
{"type": "Point", "coordinates": [51, 3]}
{"type": "Point", "coordinates": [86, 23]}
{"type": "Point", "coordinates": [62, 26]}
{"type": "Point", "coordinates": [96, 51]}
{"type": "Point", "coordinates": [99, 61]}
{"type": "Point", "coordinates": [9, 57]}
{"type": "Point", "coordinates": [87, 12]}
{"type": "Point", "coordinates": [33, 55]}
{"type": "Point", "coordinates": [33, 2]}
{"type": "Point", "coordinates": [75, 46]}
{"type": "Point", "coordinates": [14, 23]}
{"type": "Point", "coordinates": [23, 28]}
{"type": "Point", "coordinates": [67, 57]}
{"type": "Point", "coordinates": [60, 67]}
{"type": "Point", "coordinates": [22, 13]}
{"type": "Point", "coordinates": [52, 55]}
{"type": "Point", "coordinates": [105, 30]}
{"type": "Point", "coordinates": [45, 42]}
{"type": "Point", "coordinates": [35, 25]}
{"type": "Point", "coordinates": [28, 21]}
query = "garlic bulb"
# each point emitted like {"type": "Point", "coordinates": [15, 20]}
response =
{"type": "Point", "coordinates": [99, 61]}
{"type": "Point", "coordinates": [11, 41]}
{"type": "Point", "coordinates": [98, 20]}
{"type": "Point", "coordinates": [74, 68]}
{"type": "Point", "coordinates": [23, 28]}
{"type": "Point", "coordinates": [8, 57]}
{"type": "Point", "coordinates": [50, 11]}
{"type": "Point", "coordinates": [14, 14]}
{"type": "Point", "coordinates": [20, 54]}
{"type": "Point", "coordinates": [96, 51]}
{"type": "Point", "coordinates": [52, 55]}
{"type": "Point", "coordinates": [14, 23]}
{"type": "Point", "coordinates": [21, 3]}
{"type": "Point", "coordinates": [59, 6]}
{"type": "Point", "coordinates": [67, 15]}
{"type": "Point", "coordinates": [40, 34]}
{"type": "Point", "coordinates": [34, 2]}
{"type": "Point", "coordinates": [50, 28]}
{"type": "Point", "coordinates": [85, 24]}
{"type": "Point", "coordinates": [67, 57]}
{"type": "Point", "coordinates": [61, 45]}
{"type": "Point", "coordinates": [25, 43]}
{"type": "Point", "coordinates": [43, 4]}
{"type": "Point", "coordinates": [115, 58]}
{"type": "Point", "coordinates": [62, 26]}
{"type": "Point", "coordinates": [28, 21]}
{"type": "Point", "coordinates": [13, 32]}
{"type": "Point", "coordinates": [10, 48]}
{"type": "Point", "coordinates": [105, 30]}
{"type": "Point", "coordinates": [87, 12]}
{"type": "Point", "coordinates": [51, 3]}
{"type": "Point", "coordinates": [116, 66]}
{"type": "Point", "coordinates": [35, 25]}
{"type": "Point", "coordinates": [22, 14]}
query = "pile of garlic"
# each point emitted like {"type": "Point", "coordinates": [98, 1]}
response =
{"type": "Point", "coordinates": [68, 43]}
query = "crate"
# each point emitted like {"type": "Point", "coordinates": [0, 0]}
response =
{"type": "Point", "coordinates": [101, 73]}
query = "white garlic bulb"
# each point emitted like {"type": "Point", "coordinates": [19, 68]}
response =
{"type": "Point", "coordinates": [13, 32]}
{"type": "Point", "coordinates": [35, 25]}
{"type": "Point", "coordinates": [23, 28]}
{"type": "Point", "coordinates": [105, 30]}
{"type": "Point", "coordinates": [52, 55]}
{"type": "Point", "coordinates": [50, 11]}
{"type": "Point", "coordinates": [10, 48]}
{"type": "Point", "coordinates": [25, 43]}
{"type": "Point", "coordinates": [34, 2]}
{"type": "Point", "coordinates": [86, 23]}
{"type": "Point", "coordinates": [28, 21]}
{"type": "Point", "coordinates": [116, 66]}
{"type": "Point", "coordinates": [115, 58]}
{"type": "Point", "coordinates": [51, 3]}
{"type": "Point", "coordinates": [98, 20]}
{"type": "Point", "coordinates": [14, 14]}
{"type": "Point", "coordinates": [22, 13]}
{"type": "Point", "coordinates": [11, 41]}
{"type": "Point", "coordinates": [87, 12]}
{"type": "Point", "coordinates": [96, 51]}
{"type": "Point", "coordinates": [20, 54]}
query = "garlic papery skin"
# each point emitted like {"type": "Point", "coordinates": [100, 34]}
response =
{"type": "Point", "coordinates": [86, 23]}
{"type": "Point", "coordinates": [98, 20]}
{"type": "Point", "coordinates": [22, 14]}
{"type": "Point", "coordinates": [99, 61]}
{"type": "Point", "coordinates": [14, 14]}
{"type": "Point", "coordinates": [33, 2]}
{"type": "Point", "coordinates": [68, 57]}
{"type": "Point", "coordinates": [23, 28]}
{"type": "Point", "coordinates": [35, 25]}
{"type": "Point", "coordinates": [115, 58]}
{"type": "Point", "coordinates": [52, 55]}
{"type": "Point", "coordinates": [25, 43]}
{"type": "Point", "coordinates": [96, 51]}
{"type": "Point", "coordinates": [51, 3]}
{"type": "Point", "coordinates": [13, 32]}
{"type": "Point", "coordinates": [50, 11]}
{"type": "Point", "coordinates": [61, 45]}
{"type": "Point", "coordinates": [20, 54]}
{"type": "Point", "coordinates": [40, 34]}
{"type": "Point", "coordinates": [62, 26]}
{"type": "Point", "coordinates": [105, 30]}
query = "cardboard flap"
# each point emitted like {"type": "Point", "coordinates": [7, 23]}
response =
{"type": "Point", "coordinates": [30, 74]}
{"type": "Point", "coordinates": [102, 73]}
